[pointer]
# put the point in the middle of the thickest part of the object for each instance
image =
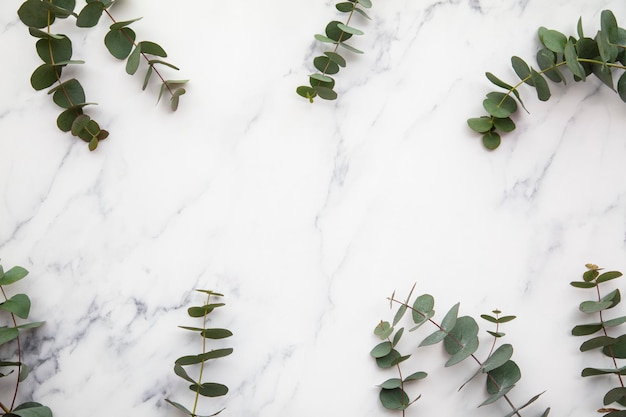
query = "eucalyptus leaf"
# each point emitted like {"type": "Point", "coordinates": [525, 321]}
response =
{"type": "Point", "coordinates": [19, 305]}
{"type": "Point", "coordinates": [394, 399]}
{"type": "Point", "coordinates": [120, 42]}
{"type": "Point", "coordinates": [209, 389]}
{"type": "Point", "coordinates": [491, 140]}
{"type": "Point", "coordinates": [597, 342]}
{"type": "Point", "coordinates": [13, 275]}
{"type": "Point", "coordinates": [90, 15]}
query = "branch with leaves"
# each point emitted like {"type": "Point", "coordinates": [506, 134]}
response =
{"type": "Point", "coordinates": [460, 340]}
{"type": "Point", "coordinates": [55, 50]}
{"type": "Point", "coordinates": [12, 309]}
{"type": "Point", "coordinates": [601, 56]}
{"type": "Point", "coordinates": [205, 389]}
{"type": "Point", "coordinates": [337, 33]}
{"type": "Point", "coordinates": [612, 347]}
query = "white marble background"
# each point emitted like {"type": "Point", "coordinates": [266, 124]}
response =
{"type": "Point", "coordinates": [306, 216]}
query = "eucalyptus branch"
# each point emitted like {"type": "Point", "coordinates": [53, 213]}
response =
{"type": "Point", "coordinates": [14, 307]}
{"type": "Point", "coordinates": [612, 347]}
{"type": "Point", "coordinates": [583, 57]}
{"type": "Point", "coordinates": [321, 84]}
{"type": "Point", "coordinates": [460, 340]}
{"type": "Point", "coordinates": [206, 389]}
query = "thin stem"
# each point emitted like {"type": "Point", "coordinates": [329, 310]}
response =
{"type": "Point", "coordinates": [195, 403]}
{"type": "Point", "coordinates": [401, 379]}
{"type": "Point", "coordinates": [454, 339]}
{"type": "Point", "coordinates": [19, 358]}
{"type": "Point", "coordinates": [621, 381]}
{"type": "Point", "coordinates": [156, 71]}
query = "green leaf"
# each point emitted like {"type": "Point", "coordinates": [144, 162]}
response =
{"type": "Point", "coordinates": [607, 276]}
{"type": "Point", "coordinates": [582, 284]}
{"type": "Point", "coordinates": [120, 42]}
{"type": "Point", "coordinates": [586, 329]}
{"type": "Point", "coordinates": [433, 338]}
{"type": "Point", "coordinates": [543, 91]}
{"type": "Point", "coordinates": [7, 334]}
{"type": "Point", "coordinates": [362, 13]}
{"type": "Point", "coordinates": [571, 60]}
{"type": "Point", "coordinates": [33, 13]}
{"type": "Point", "coordinates": [617, 349]}
{"type": "Point", "coordinates": [480, 124]}
{"type": "Point", "coordinates": [350, 48]}
{"type": "Point", "coordinates": [383, 330]}
{"type": "Point", "coordinates": [449, 320]}
{"type": "Point", "coordinates": [204, 310]}
{"type": "Point", "coordinates": [335, 33]}
{"type": "Point", "coordinates": [461, 342]}
{"type": "Point", "coordinates": [32, 325]}
{"type": "Point", "coordinates": [521, 69]}
{"type": "Point", "coordinates": [496, 396]}
{"type": "Point", "coordinates": [491, 140]}
{"type": "Point", "coordinates": [54, 51]}
{"type": "Point", "coordinates": [336, 58]}
{"type": "Point", "coordinates": [120, 25]}
{"type": "Point", "coordinates": [499, 104]}
{"type": "Point", "coordinates": [615, 322]}
{"type": "Point", "coordinates": [603, 371]}
{"type": "Point", "coordinates": [397, 336]}
{"type": "Point", "coordinates": [614, 297]}
{"type": "Point", "coordinates": [391, 383]}
{"type": "Point", "coordinates": [44, 76]}
{"type": "Point", "coordinates": [615, 395]}
{"type": "Point", "coordinates": [579, 28]}
{"type": "Point", "coordinates": [133, 60]}
{"type": "Point", "coordinates": [345, 7]}
{"type": "Point", "coordinates": [325, 39]}
{"type": "Point", "coordinates": [495, 334]}
{"type": "Point", "coordinates": [546, 59]}
{"type": "Point", "coordinates": [180, 407]}
{"type": "Point", "coordinates": [394, 399]}
{"type": "Point", "coordinates": [621, 87]}
{"type": "Point", "coordinates": [381, 349]}
{"type": "Point", "coordinates": [532, 400]}
{"type": "Point", "coordinates": [157, 61]}
{"type": "Point", "coordinates": [79, 124]}
{"type": "Point", "coordinates": [13, 275]}
{"type": "Point", "coordinates": [90, 15]}
{"type": "Point", "coordinates": [498, 358]}
{"type": "Point", "coordinates": [504, 124]}
{"type": "Point", "coordinates": [325, 65]}
{"type": "Point", "coordinates": [608, 52]}
{"type": "Point", "coordinates": [365, 3]}
{"type": "Point", "coordinates": [321, 77]}
{"type": "Point", "coordinates": [416, 376]}
{"type": "Point", "coordinates": [19, 305]}
{"type": "Point", "coordinates": [590, 275]}
{"type": "Point", "coordinates": [604, 74]}
{"type": "Point", "coordinates": [216, 333]}
{"type": "Point", "coordinates": [152, 49]}
{"type": "Point", "coordinates": [399, 314]}
{"type": "Point", "coordinates": [594, 306]}
{"type": "Point", "coordinates": [32, 410]}
{"type": "Point", "coordinates": [68, 94]}
{"type": "Point", "coordinates": [503, 377]}
{"type": "Point", "coordinates": [180, 371]}
{"type": "Point", "coordinates": [67, 117]}
{"type": "Point", "coordinates": [391, 359]}
{"type": "Point", "coordinates": [349, 29]}
{"type": "Point", "coordinates": [553, 40]}
{"type": "Point", "coordinates": [423, 309]}
{"type": "Point", "coordinates": [210, 389]}
{"type": "Point", "coordinates": [176, 98]}
{"type": "Point", "coordinates": [597, 342]}
{"type": "Point", "coordinates": [608, 25]}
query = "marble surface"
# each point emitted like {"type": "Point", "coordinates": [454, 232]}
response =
{"type": "Point", "coordinates": [307, 216]}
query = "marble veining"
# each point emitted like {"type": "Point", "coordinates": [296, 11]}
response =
{"type": "Point", "coordinates": [306, 216]}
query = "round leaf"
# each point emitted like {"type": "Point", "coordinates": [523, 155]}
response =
{"type": "Point", "coordinates": [394, 399]}
{"type": "Point", "coordinates": [120, 42]}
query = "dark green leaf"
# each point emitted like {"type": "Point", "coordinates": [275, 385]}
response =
{"type": "Point", "coordinates": [603, 371]}
{"type": "Point", "coordinates": [491, 140]}
{"type": "Point", "coordinates": [617, 349]}
{"type": "Point", "coordinates": [32, 410]}
{"type": "Point", "coordinates": [503, 377]}
{"type": "Point", "coordinates": [321, 77]}
{"type": "Point", "coordinates": [586, 329]}
{"type": "Point", "coordinates": [449, 320]}
{"type": "Point", "coordinates": [389, 360]}
{"type": "Point", "coordinates": [480, 124]}
{"type": "Point", "coordinates": [335, 33]}
{"type": "Point", "coordinates": [210, 389]}
{"type": "Point", "coordinates": [90, 15]}
{"type": "Point", "coordinates": [621, 87]}
{"type": "Point", "coordinates": [543, 91]}
{"type": "Point", "coordinates": [615, 395]}
{"type": "Point", "coordinates": [553, 40]}
{"type": "Point", "coordinates": [489, 318]}
{"type": "Point", "coordinates": [54, 51]}
{"type": "Point", "coordinates": [603, 72]}
{"type": "Point", "coordinates": [607, 276]}
{"type": "Point", "coordinates": [501, 105]}
{"type": "Point", "coordinates": [597, 342]}
{"type": "Point", "coordinates": [504, 124]}
{"type": "Point", "coordinates": [180, 371]}
{"type": "Point", "coordinates": [394, 399]}
{"type": "Point", "coordinates": [68, 94]}
{"type": "Point", "coordinates": [176, 98]}
{"type": "Point", "coordinates": [590, 275]}
{"type": "Point", "coordinates": [120, 42]}
{"type": "Point", "coordinates": [152, 49]}
{"type": "Point", "coordinates": [345, 6]}
{"type": "Point", "coordinates": [594, 306]}
{"type": "Point", "coordinates": [391, 383]}
{"type": "Point", "coordinates": [522, 70]}
{"type": "Point", "coordinates": [571, 60]}
{"type": "Point", "coordinates": [7, 334]}
{"type": "Point", "coordinates": [461, 342]}
{"type": "Point", "coordinates": [180, 407]}
{"type": "Point", "coordinates": [147, 77]}
{"type": "Point", "coordinates": [397, 336]}
{"type": "Point", "coordinates": [547, 62]}
{"type": "Point", "coordinates": [350, 48]}
{"type": "Point", "coordinates": [79, 124]}
{"type": "Point", "coordinates": [33, 13]}
{"type": "Point", "coordinates": [349, 29]}
{"type": "Point", "coordinates": [416, 376]}
{"type": "Point", "coordinates": [608, 51]}
{"type": "Point", "coordinates": [608, 25]}
{"type": "Point", "coordinates": [67, 117]}
{"type": "Point", "coordinates": [133, 60]}
{"type": "Point", "coordinates": [336, 58]}
{"type": "Point", "coordinates": [582, 284]}
{"type": "Point", "coordinates": [120, 25]}
{"type": "Point", "coordinates": [325, 65]}
{"type": "Point", "coordinates": [614, 297]}
{"type": "Point", "coordinates": [381, 350]}
{"type": "Point", "coordinates": [204, 310]}
{"type": "Point", "coordinates": [44, 76]}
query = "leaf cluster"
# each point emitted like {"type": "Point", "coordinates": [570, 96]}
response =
{"type": "Point", "coordinates": [612, 347]}
{"type": "Point", "coordinates": [55, 50]}
{"type": "Point", "coordinates": [459, 336]}
{"type": "Point", "coordinates": [337, 33]}
{"type": "Point", "coordinates": [205, 389]}
{"type": "Point", "coordinates": [17, 306]}
{"type": "Point", "coordinates": [582, 56]}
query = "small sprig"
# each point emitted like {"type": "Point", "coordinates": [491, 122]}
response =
{"type": "Point", "coordinates": [18, 306]}
{"type": "Point", "coordinates": [337, 33]}
{"type": "Point", "coordinates": [55, 50]}
{"type": "Point", "coordinates": [121, 43]}
{"type": "Point", "coordinates": [460, 340]}
{"type": "Point", "coordinates": [206, 389]}
{"type": "Point", "coordinates": [600, 56]}
{"type": "Point", "coordinates": [612, 347]}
